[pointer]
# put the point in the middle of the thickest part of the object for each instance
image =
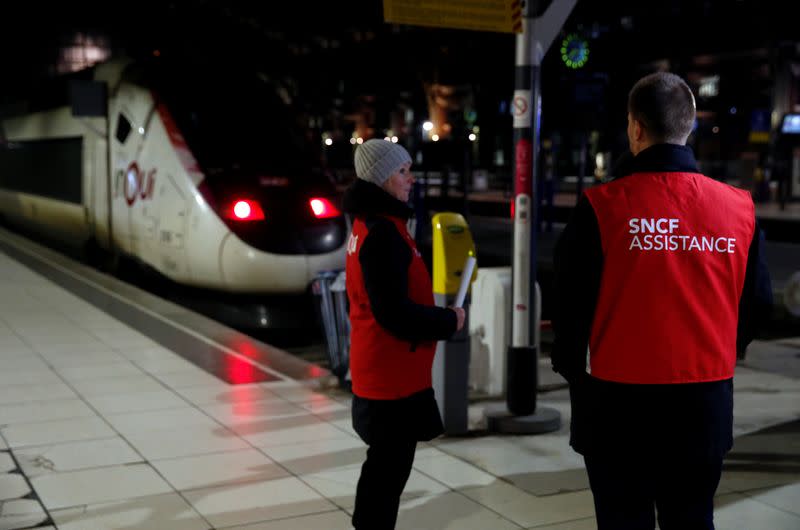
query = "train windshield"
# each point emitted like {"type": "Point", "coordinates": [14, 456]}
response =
{"type": "Point", "coordinates": [236, 122]}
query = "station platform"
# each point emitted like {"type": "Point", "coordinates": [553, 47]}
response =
{"type": "Point", "coordinates": [120, 410]}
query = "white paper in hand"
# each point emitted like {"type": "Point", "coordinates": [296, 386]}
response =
{"type": "Point", "coordinates": [466, 276]}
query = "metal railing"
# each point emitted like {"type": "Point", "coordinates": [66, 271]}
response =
{"type": "Point", "coordinates": [330, 287]}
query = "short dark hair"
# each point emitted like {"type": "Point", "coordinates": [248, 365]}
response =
{"type": "Point", "coordinates": [663, 103]}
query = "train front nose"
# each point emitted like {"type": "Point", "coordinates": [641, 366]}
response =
{"type": "Point", "coordinates": [247, 269]}
{"type": "Point", "coordinates": [280, 236]}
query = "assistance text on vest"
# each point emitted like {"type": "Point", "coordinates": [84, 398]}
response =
{"type": "Point", "coordinates": [659, 235]}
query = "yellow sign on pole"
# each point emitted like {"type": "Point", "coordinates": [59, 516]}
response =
{"type": "Point", "coordinates": [480, 15]}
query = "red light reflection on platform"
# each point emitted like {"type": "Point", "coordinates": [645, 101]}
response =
{"type": "Point", "coordinates": [239, 371]}
{"type": "Point", "coordinates": [246, 347]}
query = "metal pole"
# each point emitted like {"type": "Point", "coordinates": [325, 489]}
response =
{"type": "Point", "coordinates": [521, 355]}
{"type": "Point", "coordinates": [323, 284]}
{"type": "Point", "coordinates": [521, 415]}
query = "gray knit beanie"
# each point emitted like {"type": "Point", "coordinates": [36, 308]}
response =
{"type": "Point", "coordinates": [377, 160]}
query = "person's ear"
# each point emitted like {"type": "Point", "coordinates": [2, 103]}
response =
{"type": "Point", "coordinates": [638, 130]}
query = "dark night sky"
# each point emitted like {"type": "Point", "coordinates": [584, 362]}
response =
{"type": "Point", "coordinates": [392, 62]}
{"type": "Point", "coordinates": [250, 32]}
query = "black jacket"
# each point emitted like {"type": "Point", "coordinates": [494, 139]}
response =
{"type": "Point", "coordinates": [385, 258]}
{"type": "Point", "coordinates": [610, 416]}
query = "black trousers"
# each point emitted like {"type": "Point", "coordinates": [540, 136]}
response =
{"type": "Point", "coordinates": [391, 428]}
{"type": "Point", "coordinates": [628, 491]}
{"type": "Point", "coordinates": [383, 477]}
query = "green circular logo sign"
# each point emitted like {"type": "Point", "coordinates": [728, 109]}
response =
{"type": "Point", "coordinates": [574, 51]}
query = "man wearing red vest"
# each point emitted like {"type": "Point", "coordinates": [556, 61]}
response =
{"type": "Point", "coordinates": [659, 274]}
{"type": "Point", "coordinates": [394, 329]}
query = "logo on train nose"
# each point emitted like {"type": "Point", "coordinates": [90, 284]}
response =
{"type": "Point", "coordinates": [138, 183]}
{"type": "Point", "coordinates": [352, 244]}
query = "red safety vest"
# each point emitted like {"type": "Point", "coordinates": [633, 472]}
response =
{"type": "Point", "coordinates": [675, 249]}
{"type": "Point", "coordinates": [381, 365]}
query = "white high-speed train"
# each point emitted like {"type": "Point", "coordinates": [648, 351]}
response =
{"type": "Point", "coordinates": [198, 174]}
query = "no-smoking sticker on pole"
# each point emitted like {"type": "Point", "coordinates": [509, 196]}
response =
{"type": "Point", "coordinates": [521, 108]}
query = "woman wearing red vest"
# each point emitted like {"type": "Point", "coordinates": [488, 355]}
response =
{"type": "Point", "coordinates": [394, 329]}
{"type": "Point", "coordinates": [659, 274]}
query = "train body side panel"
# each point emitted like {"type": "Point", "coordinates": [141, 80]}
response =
{"type": "Point", "coordinates": [57, 220]}
{"type": "Point", "coordinates": [48, 172]}
{"type": "Point", "coordinates": [127, 115]}
{"type": "Point", "coordinates": [154, 194]}
{"type": "Point", "coordinates": [99, 193]}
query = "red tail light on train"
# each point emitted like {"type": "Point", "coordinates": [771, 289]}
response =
{"type": "Point", "coordinates": [323, 208]}
{"type": "Point", "coordinates": [244, 210]}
